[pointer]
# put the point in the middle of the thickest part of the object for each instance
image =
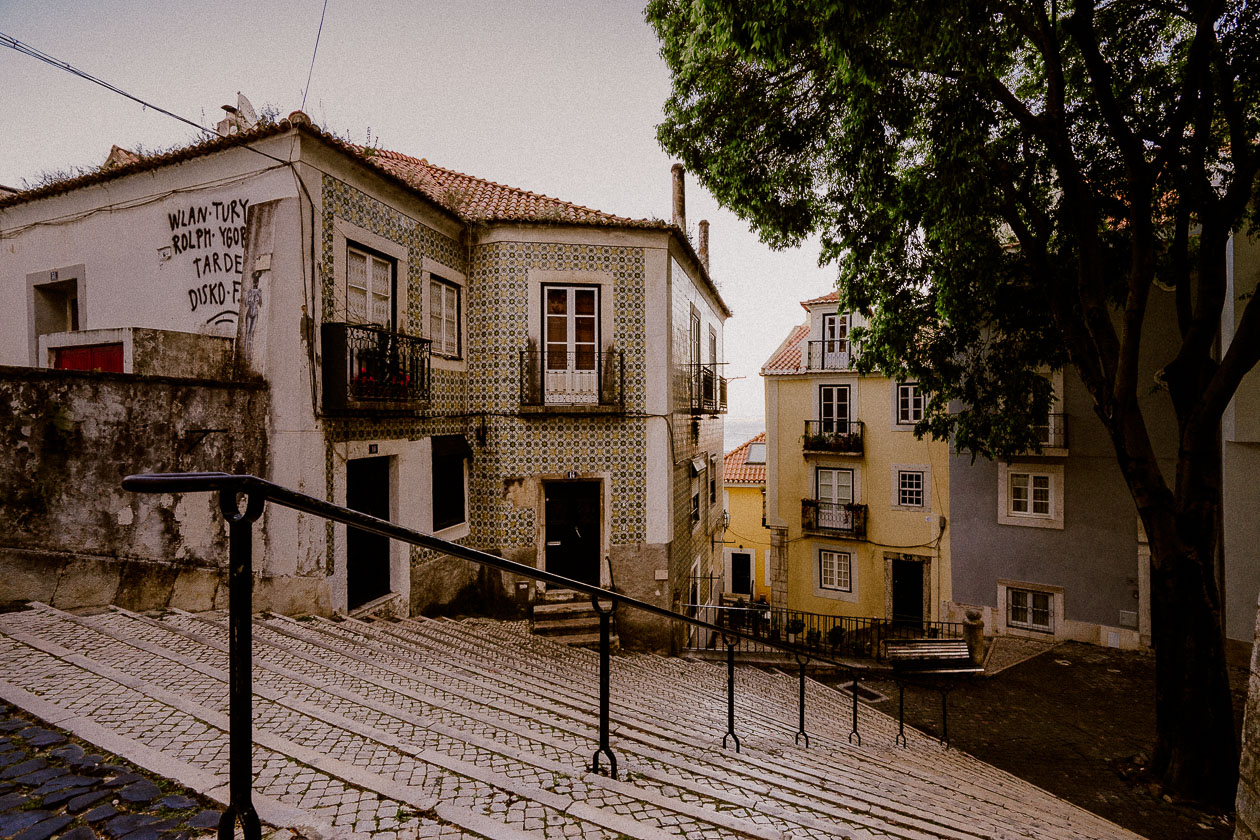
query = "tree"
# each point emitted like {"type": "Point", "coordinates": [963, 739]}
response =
{"type": "Point", "coordinates": [1001, 185]}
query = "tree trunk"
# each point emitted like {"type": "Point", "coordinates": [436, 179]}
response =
{"type": "Point", "coordinates": [1196, 748]}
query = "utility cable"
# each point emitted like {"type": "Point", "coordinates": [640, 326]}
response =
{"type": "Point", "coordinates": [26, 49]}
{"type": "Point", "coordinates": [307, 89]}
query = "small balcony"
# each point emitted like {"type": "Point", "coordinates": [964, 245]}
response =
{"type": "Point", "coordinates": [833, 354]}
{"type": "Point", "coordinates": [706, 391]}
{"type": "Point", "coordinates": [834, 519]}
{"type": "Point", "coordinates": [832, 437]}
{"type": "Point", "coordinates": [581, 381]}
{"type": "Point", "coordinates": [1053, 434]}
{"type": "Point", "coordinates": [367, 368]}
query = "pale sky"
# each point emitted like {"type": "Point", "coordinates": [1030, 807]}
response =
{"type": "Point", "coordinates": [561, 98]}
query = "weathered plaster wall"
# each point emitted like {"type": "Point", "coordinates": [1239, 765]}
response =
{"type": "Point", "coordinates": [71, 535]}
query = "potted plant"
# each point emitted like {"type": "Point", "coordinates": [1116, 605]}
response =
{"type": "Point", "coordinates": [794, 626]}
{"type": "Point", "coordinates": [813, 637]}
{"type": "Point", "coordinates": [835, 636]}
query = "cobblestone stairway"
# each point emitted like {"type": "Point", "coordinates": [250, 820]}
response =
{"type": "Point", "coordinates": [438, 728]}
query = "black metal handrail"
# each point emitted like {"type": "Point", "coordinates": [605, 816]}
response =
{"type": "Point", "coordinates": [829, 354]}
{"type": "Point", "coordinates": [258, 492]}
{"type": "Point", "coordinates": [572, 378]}
{"type": "Point", "coordinates": [841, 436]}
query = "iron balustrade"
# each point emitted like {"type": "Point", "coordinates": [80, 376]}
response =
{"type": "Point", "coordinates": [831, 354]}
{"type": "Point", "coordinates": [838, 518]}
{"type": "Point", "coordinates": [843, 437]}
{"type": "Point", "coordinates": [257, 492]}
{"type": "Point", "coordinates": [1053, 433]}
{"type": "Point", "coordinates": [820, 636]}
{"type": "Point", "coordinates": [370, 368]}
{"type": "Point", "coordinates": [576, 378]}
{"type": "Point", "coordinates": [706, 390]}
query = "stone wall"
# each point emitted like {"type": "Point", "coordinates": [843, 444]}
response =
{"type": "Point", "coordinates": [1247, 825]}
{"type": "Point", "coordinates": [69, 534]}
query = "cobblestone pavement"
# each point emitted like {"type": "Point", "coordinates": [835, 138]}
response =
{"type": "Point", "coordinates": [1077, 720]}
{"type": "Point", "coordinates": [55, 786]}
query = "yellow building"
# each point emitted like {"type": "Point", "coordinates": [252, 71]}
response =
{"type": "Point", "coordinates": [746, 542]}
{"type": "Point", "coordinates": [856, 505]}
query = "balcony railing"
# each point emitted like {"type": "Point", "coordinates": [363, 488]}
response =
{"type": "Point", "coordinates": [706, 390]}
{"type": "Point", "coordinates": [843, 437]}
{"type": "Point", "coordinates": [582, 378]}
{"type": "Point", "coordinates": [855, 637]}
{"type": "Point", "coordinates": [833, 354]}
{"type": "Point", "coordinates": [1053, 433]}
{"type": "Point", "coordinates": [369, 368]}
{"type": "Point", "coordinates": [835, 518]}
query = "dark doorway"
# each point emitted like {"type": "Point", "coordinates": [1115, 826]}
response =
{"type": "Point", "coordinates": [907, 592]}
{"type": "Point", "coordinates": [367, 555]}
{"type": "Point", "coordinates": [741, 573]}
{"type": "Point", "coordinates": [572, 530]}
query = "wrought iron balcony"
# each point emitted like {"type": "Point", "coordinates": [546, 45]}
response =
{"type": "Point", "coordinates": [368, 368]}
{"type": "Point", "coordinates": [577, 380]}
{"type": "Point", "coordinates": [834, 518]}
{"type": "Point", "coordinates": [706, 390]}
{"type": "Point", "coordinates": [1053, 433]}
{"type": "Point", "coordinates": [833, 354]}
{"type": "Point", "coordinates": [834, 437]}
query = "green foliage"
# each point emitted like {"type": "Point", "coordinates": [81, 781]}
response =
{"type": "Point", "coordinates": [994, 180]}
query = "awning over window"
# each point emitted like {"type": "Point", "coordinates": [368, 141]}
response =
{"type": "Point", "coordinates": [451, 446]}
{"type": "Point", "coordinates": [698, 465]}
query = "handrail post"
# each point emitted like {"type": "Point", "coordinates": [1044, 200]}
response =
{"type": "Point", "coordinates": [731, 642]}
{"type": "Point", "coordinates": [240, 664]}
{"type": "Point", "coordinates": [900, 740]}
{"type": "Point", "coordinates": [945, 717]}
{"type": "Point", "coordinates": [605, 646]}
{"type": "Point", "coordinates": [800, 731]}
{"type": "Point", "coordinates": [854, 733]}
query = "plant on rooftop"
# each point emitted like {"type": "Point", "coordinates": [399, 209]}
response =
{"type": "Point", "coordinates": [1003, 184]}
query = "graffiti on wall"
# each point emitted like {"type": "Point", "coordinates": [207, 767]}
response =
{"type": "Point", "coordinates": [208, 239]}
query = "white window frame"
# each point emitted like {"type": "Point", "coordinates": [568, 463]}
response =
{"type": "Point", "coordinates": [1012, 512]}
{"type": "Point", "coordinates": [444, 324]}
{"type": "Point", "coordinates": [1007, 623]}
{"type": "Point", "coordinates": [835, 484]}
{"type": "Point", "coordinates": [908, 404]}
{"type": "Point", "coordinates": [1027, 599]}
{"type": "Point", "coordinates": [911, 489]}
{"type": "Point", "coordinates": [831, 592]}
{"type": "Point", "coordinates": [850, 411]}
{"type": "Point", "coordinates": [372, 261]}
{"type": "Point", "coordinates": [896, 501]}
{"type": "Point", "coordinates": [840, 578]}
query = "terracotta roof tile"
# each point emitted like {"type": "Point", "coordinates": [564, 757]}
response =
{"type": "Point", "coordinates": [736, 470]}
{"type": "Point", "coordinates": [787, 359]}
{"type": "Point", "coordinates": [477, 199]}
{"type": "Point", "coordinates": [830, 297]}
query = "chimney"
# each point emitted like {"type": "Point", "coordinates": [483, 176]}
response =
{"type": "Point", "coordinates": [703, 246]}
{"type": "Point", "coordinates": [680, 200]}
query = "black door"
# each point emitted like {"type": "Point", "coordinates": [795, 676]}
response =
{"type": "Point", "coordinates": [367, 555]}
{"type": "Point", "coordinates": [741, 573]}
{"type": "Point", "coordinates": [907, 592]}
{"type": "Point", "coordinates": [572, 530]}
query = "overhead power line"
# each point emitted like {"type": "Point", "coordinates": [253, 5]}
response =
{"type": "Point", "coordinates": [26, 49]}
{"type": "Point", "coordinates": [315, 51]}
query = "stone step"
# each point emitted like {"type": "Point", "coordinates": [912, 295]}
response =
{"type": "Point", "coordinates": [343, 628]}
{"type": "Point", "coordinates": [497, 726]}
{"type": "Point", "coordinates": [725, 809]}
